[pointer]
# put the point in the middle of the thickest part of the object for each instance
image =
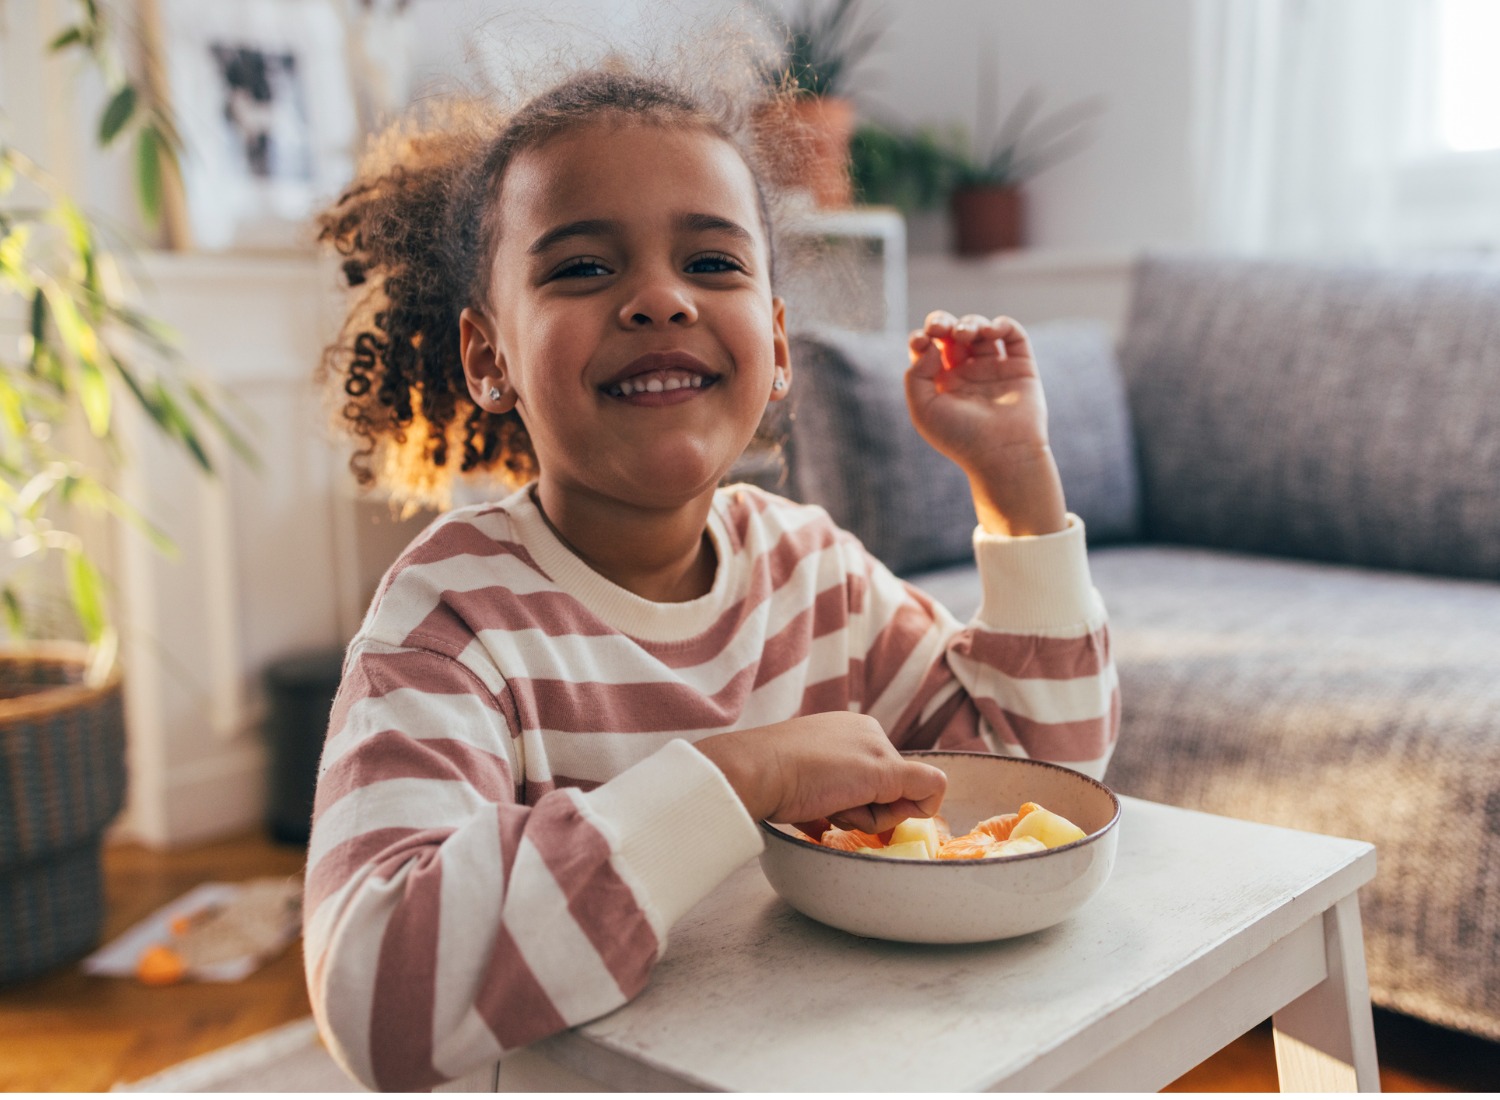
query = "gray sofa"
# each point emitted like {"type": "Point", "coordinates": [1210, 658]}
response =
{"type": "Point", "coordinates": [1291, 480]}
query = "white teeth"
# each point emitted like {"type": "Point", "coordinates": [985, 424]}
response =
{"type": "Point", "coordinates": [655, 385]}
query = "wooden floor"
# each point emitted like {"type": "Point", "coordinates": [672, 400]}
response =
{"type": "Point", "coordinates": [69, 1032]}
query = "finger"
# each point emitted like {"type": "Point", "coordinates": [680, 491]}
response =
{"type": "Point", "coordinates": [856, 817]}
{"type": "Point", "coordinates": [1011, 335]}
{"type": "Point", "coordinates": [969, 327]}
{"type": "Point", "coordinates": [815, 828]}
{"type": "Point", "coordinates": [926, 356]}
{"type": "Point", "coordinates": [925, 786]}
{"type": "Point", "coordinates": [887, 815]}
{"type": "Point", "coordinates": [939, 323]}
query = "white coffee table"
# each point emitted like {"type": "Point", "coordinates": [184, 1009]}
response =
{"type": "Point", "coordinates": [1207, 927]}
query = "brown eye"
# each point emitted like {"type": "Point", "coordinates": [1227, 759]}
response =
{"type": "Point", "coordinates": [713, 264]}
{"type": "Point", "coordinates": [582, 268]}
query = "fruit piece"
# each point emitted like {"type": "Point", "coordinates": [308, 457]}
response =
{"type": "Point", "coordinates": [850, 840]}
{"type": "Point", "coordinates": [999, 827]}
{"type": "Point", "coordinates": [1018, 846]}
{"type": "Point", "coordinates": [814, 829]}
{"type": "Point", "coordinates": [159, 965]}
{"type": "Point", "coordinates": [910, 849]}
{"type": "Point", "coordinates": [968, 846]}
{"type": "Point", "coordinates": [921, 830]}
{"type": "Point", "coordinates": [1051, 829]}
{"type": "Point", "coordinates": [954, 354]}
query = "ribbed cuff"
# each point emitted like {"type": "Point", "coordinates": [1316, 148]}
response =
{"type": "Point", "coordinates": [1037, 584]}
{"type": "Point", "coordinates": [678, 827]}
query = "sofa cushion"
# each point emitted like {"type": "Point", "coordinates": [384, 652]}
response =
{"type": "Point", "coordinates": [1347, 414]}
{"type": "Point", "coordinates": [1336, 700]}
{"type": "Point", "coordinates": [853, 449]}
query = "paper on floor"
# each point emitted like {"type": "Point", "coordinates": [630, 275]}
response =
{"type": "Point", "coordinates": [221, 931]}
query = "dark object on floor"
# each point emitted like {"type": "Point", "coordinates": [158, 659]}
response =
{"type": "Point", "coordinates": [301, 689]}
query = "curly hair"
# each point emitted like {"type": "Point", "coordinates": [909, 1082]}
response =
{"type": "Point", "coordinates": [417, 231]}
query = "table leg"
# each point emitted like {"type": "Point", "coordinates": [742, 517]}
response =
{"type": "Point", "coordinates": [1325, 1039]}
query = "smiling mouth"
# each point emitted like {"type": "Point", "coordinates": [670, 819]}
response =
{"type": "Point", "coordinates": [660, 381]}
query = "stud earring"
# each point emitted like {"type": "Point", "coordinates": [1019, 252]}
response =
{"type": "Point", "coordinates": [494, 393]}
{"type": "Point", "coordinates": [779, 385]}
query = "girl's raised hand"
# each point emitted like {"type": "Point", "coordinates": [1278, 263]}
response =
{"type": "Point", "coordinates": [973, 389]}
{"type": "Point", "coordinates": [839, 765]}
{"type": "Point", "coordinates": [974, 395]}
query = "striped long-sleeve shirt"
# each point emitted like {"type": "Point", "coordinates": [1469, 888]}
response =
{"type": "Point", "coordinates": [510, 814]}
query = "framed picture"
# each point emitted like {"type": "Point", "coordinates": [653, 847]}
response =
{"type": "Point", "coordinates": [262, 94]}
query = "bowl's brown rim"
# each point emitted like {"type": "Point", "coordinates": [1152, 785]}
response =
{"type": "Point", "coordinates": [992, 861]}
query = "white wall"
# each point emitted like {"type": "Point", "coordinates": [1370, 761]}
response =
{"type": "Point", "coordinates": [1132, 186]}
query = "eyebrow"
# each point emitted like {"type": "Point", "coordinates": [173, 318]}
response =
{"type": "Point", "coordinates": [600, 227]}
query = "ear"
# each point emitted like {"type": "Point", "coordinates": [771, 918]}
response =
{"type": "Point", "coordinates": [782, 352]}
{"type": "Point", "coordinates": [484, 365]}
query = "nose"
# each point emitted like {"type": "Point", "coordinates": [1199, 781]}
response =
{"type": "Point", "coordinates": [657, 298]}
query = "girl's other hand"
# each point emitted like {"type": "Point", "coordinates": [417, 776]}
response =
{"type": "Point", "coordinates": [839, 765]}
{"type": "Point", "coordinates": [973, 390]}
{"type": "Point", "coordinates": [974, 395]}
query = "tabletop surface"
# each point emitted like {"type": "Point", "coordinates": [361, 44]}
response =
{"type": "Point", "coordinates": [752, 996]}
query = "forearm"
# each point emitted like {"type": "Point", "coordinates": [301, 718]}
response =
{"type": "Point", "coordinates": [535, 918]}
{"type": "Point", "coordinates": [1025, 499]}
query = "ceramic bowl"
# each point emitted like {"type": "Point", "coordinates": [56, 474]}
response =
{"type": "Point", "coordinates": [962, 900]}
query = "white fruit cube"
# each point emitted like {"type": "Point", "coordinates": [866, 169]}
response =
{"type": "Point", "coordinates": [1016, 846]}
{"type": "Point", "coordinates": [921, 830]}
{"type": "Point", "coordinates": [912, 849]}
{"type": "Point", "coordinates": [1051, 829]}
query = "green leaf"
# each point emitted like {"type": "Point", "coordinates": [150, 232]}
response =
{"type": "Point", "coordinates": [117, 114]}
{"type": "Point", "coordinates": [232, 436]}
{"type": "Point", "coordinates": [86, 587]}
{"type": "Point", "coordinates": [93, 392]}
{"type": "Point", "coordinates": [65, 39]}
{"type": "Point", "coordinates": [150, 149]}
{"type": "Point", "coordinates": [38, 324]}
{"type": "Point", "coordinates": [15, 618]}
{"type": "Point", "coordinates": [177, 423]}
{"type": "Point", "coordinates": [89, 493]}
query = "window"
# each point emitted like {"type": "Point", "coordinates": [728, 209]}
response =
{"type": "Point", "coordinates": [1468, 79]}
{"type": "Point", "coordinates": [1446, 194]}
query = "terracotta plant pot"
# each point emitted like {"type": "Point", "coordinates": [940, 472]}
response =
{"type": "Point", "coordinates": [987, 219]}
{"type": "Point", "coordinates": [805, 143]}
{"type": "Point", "coordinates": [62, 780]}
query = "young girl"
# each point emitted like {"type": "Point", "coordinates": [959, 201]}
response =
{"type": "Point", "coordinates": [568, 708]}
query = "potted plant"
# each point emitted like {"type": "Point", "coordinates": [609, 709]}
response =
{"type": "Point", "coordinates": [81, 349]}
{"type": "Point", "coordinates": [987, 201]}
{"type": "Point", "coordinates": [805, 130]}
{"type": "Point", "coordinates": [910, 170]}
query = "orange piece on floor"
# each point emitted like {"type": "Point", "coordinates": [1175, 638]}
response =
{"type": "Point", "coordinates": [160, 965]}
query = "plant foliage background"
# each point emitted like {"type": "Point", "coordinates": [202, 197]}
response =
{"type": "Point", "coordinates": [74, 347]}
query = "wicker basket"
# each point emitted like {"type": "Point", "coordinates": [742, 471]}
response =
{"type": "Point", "coordinates": [62, 780]}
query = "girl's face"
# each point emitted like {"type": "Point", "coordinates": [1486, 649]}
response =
{"type": "Point", "coordinates": [631, 324]}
